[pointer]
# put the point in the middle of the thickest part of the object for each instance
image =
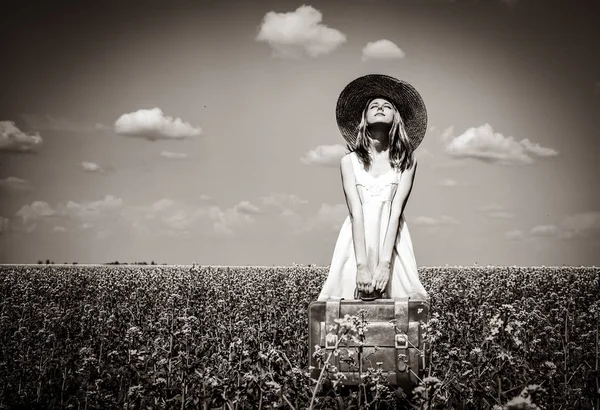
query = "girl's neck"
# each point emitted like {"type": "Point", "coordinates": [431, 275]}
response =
{"type": "Point", "coordinates": [379, 142]}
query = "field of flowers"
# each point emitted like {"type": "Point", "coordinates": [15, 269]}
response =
{"type": "Point", "coordinates": [180, 337]}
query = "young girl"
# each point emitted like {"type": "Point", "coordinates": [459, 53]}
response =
{"type": "Point", "coordinates": [383, 120]}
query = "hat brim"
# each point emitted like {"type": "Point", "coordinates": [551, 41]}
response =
{"type": "Point", "coordinates": [356, 94]}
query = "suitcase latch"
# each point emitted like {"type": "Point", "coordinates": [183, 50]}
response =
{"type": "Point", "coordinates": [330, 341]}
{"type": "Point", "coordinates": [401, 341]}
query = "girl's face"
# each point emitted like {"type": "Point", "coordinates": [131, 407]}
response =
{"type": "Point", "coordinates": [380, 111]}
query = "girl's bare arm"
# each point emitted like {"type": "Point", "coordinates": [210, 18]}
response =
{"type": "Point", "coordinates": [398, 203]}
{"type": "Point", "coordinates": [355, 211]}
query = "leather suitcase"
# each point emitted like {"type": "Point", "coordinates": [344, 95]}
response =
{"type": "Point", "coordinates": [393, 326]}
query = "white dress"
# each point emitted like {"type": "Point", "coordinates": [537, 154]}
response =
{"type": "Point", "coordinates": [376, 195]}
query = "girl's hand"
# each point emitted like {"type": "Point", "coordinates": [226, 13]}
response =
{"type": "Point", "coordinates": [381, 276]}
{"type": "Point", "coordinates": [364, 279]}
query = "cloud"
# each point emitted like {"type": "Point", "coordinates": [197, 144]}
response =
{"type": "Point", "coordinates": [451, 183]}
{"type": "Point", "coordinates": [68, 214]}
{"type": "Point", "coordinates": [247, 208]}
{"type": "Point", "coordinates": [328, 219]}
{"type": "Point", "coordinates": [92, 210]}
{"type": "Point", "coordinates": [110, 214]}
{"type": "Point", "coordinates": [298, 33]}
{"type": "Point", "coordinates": [15, 184]}
{"type": "Point", "coordinates": [72, 215]}
{"type": "Point", "coordinates": [447, 133]}
{"type": "Point", "coordinates": [514, 235]}
{"type": "Point", "coordinates": [496, 211]}
{"type": "Point", "coordinates": [282, 203]}
{"type": "Point", "coordinates": [483, 144]}
{"type": "Point", "coordinates": [381, 50]}
{"type": "Point", "coordinates": [289, 212]}
{"type": "Point", "coordinates": [443, 220]}
{"type": "Point", "coordinates": [581, 225]}
{"type": "Point", "coordinates": [490, 207]}
{"type": "Point", "coordinates": [231, 220]}
{"type": "Point", "coordinates": [169, 217]}
{"type": "Point", "coordinates": [173, 155]}
{"type": "Point", "coordinates": [12, 139]}
{"type": "Point", "coordinates": [501, 215]}
{"type": "Point", "coordinates": [154, 125]}
{"type": "Point", "coordinates": [49, 123]}
{"type": "Point", "coordinates": [325, 155]}
{"type": "Point", "coordinates": [424, 155]}
{"type": "Point", "coordinates": [448, 182]}
{"type": "Point", "coordinates": [100, 127]}
{"type": "Point", "coordinates": [91, 167]}
{"type": "Point", "coordinates": [544, 231]}
{"type": "Point", "coordinates": [35, 211]}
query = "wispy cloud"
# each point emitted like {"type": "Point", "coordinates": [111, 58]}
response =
{"type": "Point", "coordinates": [245, 207]}
{"type": "Point", "coordinates": [15, 184]}
{"type": "Point", "coordinates": [299, 33]}
{"type": "Point", "coordinates": [451, 183]}
{"type": "Point", "coordinates": [424, 155]}
{"type": "Point", "coordinates": [171, 217]}
{"type": "Point", "coordinates": [328, 220]}
{"type": "Point", "coordinates": [30, 214]}
{"type": "Point", "coordinates": [173, 155]}
{"type": "Point", "coordinates": [281, 203]}
{"type": "Point", "coordinates": [514, 235]}
{"type": "Point", "coordinates": [40, 214]}
{"type": "Point", "coordinates": [12, 139]}
{"type": "Point", "coordinates": [581, 225]}
{"type": "Point", "coordinates": [382, 50]}
{"type": "Point", "coordinates": [435, 161]}
{"type": "Point", "coordinates": [154, 125]}
{"type": "Point", "coordinates": [59, 229]}
{"type": "Point", "coordinates": [443, 220]}
{"type": "Point", "coordinates": [325, 155]}
{"type": "Point", "coordinates": [494, 210]}
{"type": "Point", "coordinates": [100, 127]}
{"type": "Point", "coordinates": [483, 144]}
{"type": "Point", "coordinates": [448, 182]}
{"type": "Point", "coordinates": [163, 217]}
{"type": "Point", "coordinates": [544, 231]}
{"type": "Point", "coordinates": [50, 123]}
{"type": "Point", "coordinates": [91, 167]}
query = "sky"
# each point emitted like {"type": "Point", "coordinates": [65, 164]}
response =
{"type": "Point", "coordinates": [204, 131]}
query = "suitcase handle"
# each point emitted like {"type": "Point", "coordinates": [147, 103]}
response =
{"type": "Point", "coordinates": [367, 297]}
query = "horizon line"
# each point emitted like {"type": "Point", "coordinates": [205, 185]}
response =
{"type": "Point", "coordinates": [286, 266]}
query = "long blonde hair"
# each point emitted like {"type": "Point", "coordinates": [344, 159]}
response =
{"type": "Point", "coordinates": [401, 152]}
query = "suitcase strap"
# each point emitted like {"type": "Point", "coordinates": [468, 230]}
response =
{"type": "Point", "coordinates": [401, 338]}
{"type": "Point", "coordinates": [332, 312]}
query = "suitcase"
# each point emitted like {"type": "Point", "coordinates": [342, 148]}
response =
{"type": "Point", "coordinates": [393, 326]}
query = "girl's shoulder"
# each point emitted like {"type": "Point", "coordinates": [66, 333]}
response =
{"type": "Point", "coordinates": [348, 162]}
{"type": "Point", "coordinates": [348, 157]}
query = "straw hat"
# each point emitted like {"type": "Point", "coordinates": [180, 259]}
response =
{"type": "Point", "coordinates": [356, 94]}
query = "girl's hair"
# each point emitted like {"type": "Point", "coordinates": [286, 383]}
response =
{"type": "Point", "coordinates": [401, 151]}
